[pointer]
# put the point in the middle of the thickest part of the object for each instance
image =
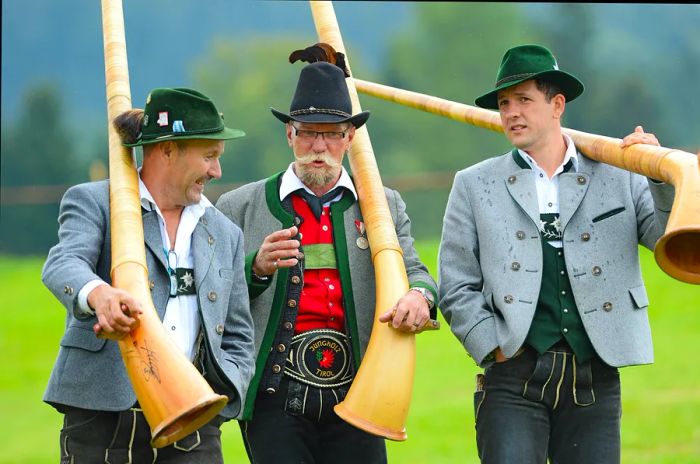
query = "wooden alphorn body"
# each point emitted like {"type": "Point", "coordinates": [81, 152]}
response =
{"type": "Point", "coordinates": [678, 251]}
{"type": "Point", "coordinates": [175, 398]}
{"type": "Point", "coordinates": [380, 394]}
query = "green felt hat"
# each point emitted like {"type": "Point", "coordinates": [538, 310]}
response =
{"type": "Point", "coordinates": [180, 114]}
{"type": "Point", "coordinates": [526, 62]}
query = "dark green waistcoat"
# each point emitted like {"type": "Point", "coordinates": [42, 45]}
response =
{"type": "Point", "coordinates": [556, 315]}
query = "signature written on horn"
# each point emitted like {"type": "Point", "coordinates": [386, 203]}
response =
{"type": "Point", "coordinates": [150, 364]}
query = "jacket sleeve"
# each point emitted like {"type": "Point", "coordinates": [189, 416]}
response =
{"type": "Point", "coordinates": [417, 272]}
{"type": "Point", "coordinates": [83, 222]}
{"type": "Point", "coordinates": [652, 202]}
{"type": "Point", "coordinates": [462, 301]}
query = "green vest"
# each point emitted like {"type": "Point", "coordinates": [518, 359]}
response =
{"type": "Point", "coordinates": [556, 315]}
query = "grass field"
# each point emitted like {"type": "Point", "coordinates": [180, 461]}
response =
{"type": "Point", "coordinates": [661, 402]}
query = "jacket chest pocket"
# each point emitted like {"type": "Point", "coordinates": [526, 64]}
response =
{"type": "Point", "coordinates": [609, 214]}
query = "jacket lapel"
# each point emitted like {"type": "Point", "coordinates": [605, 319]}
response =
{"type": "Point", "coordinates": [203, 245]}
{"type": "Point", "coordinates": [151, 235]}
{"type": "Point", "coordinates": [520, 182]}
{"type": "Point", "coordinates": [521, 187]}
{"type": "Point", "coordinates": [572, 189]}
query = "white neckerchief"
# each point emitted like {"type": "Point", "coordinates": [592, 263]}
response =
{"type": "Point", "coordinates": [548, 189]}
{"type": "Point", "coordinates": [181, 318]}
{"type": "Point", "coordinates": [291, 183]}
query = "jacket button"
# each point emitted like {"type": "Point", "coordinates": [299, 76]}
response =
{"type": "Point", "coordinates": [151, 284]}
{"type": "Point", "coordinates": [297, 220]}
{"type": "Point", "coordinates": [296, 280]}
{"type": "Point", "coordinates": [520, 235]}
{"type": "Point", "coordinates": [581, 180]}
{"type": "Point", "coordinates": [596, 271]}
{"type": "Point", "coordinates": [288, 325]}
{"type": "Point", "coordinates": [211, 240]}
{"type": "Point", "coordinates": [220, 329]}
{"type": "Point", "coordinates": [511, 179]}
{"type": "Point", "coordinates": [276, 368]}
{"type": "Point", "coordinates": [292, 303]}
{"type": "Point", "coordinates": [515, 266]}
{"type": "Point", "coordinates": [281, 347]}
{"type": "Point", "coordinates": [508, 299]}
{"type": "Point", "coordinates": [68, 290]}
{"type": "Point", "coordinates": [203, 220]}
{"type": "Point", "coordinates": [270, 390]}
{"type": "Point", "coordinates": [212, 296]}
{"type": "Point", "coordinates": [607, 306]}
{"type": "Point", "coordinates": [585, 236]}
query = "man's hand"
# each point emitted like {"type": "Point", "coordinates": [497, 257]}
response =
{"type": "Point", "coordinates": [639, 136]}
{"type": "Point", "coordinates": [116, 311]}
{"type": "Point", "coordinates": [409, 314]}
{"type": "Point", "coordinates": [277, 250]}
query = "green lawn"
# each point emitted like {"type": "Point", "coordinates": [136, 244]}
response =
{"type": "Point", "coordinates": [661, 403]}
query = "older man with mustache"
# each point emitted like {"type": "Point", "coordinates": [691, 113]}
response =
{"type": "Point", "coordinates": [311, 283]}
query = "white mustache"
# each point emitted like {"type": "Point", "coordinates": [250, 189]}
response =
{"type": "Point", "coordinates": [309, 158]}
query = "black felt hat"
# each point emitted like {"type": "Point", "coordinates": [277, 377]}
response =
{"type": "Point", "coordinates": [322, 97]}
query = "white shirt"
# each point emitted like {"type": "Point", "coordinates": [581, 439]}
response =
{"type": "Point", "coordinates": [181, 318]}
{"type": "Point", "coordinates": [548, 189]}
{"type": "Point", "coordinates": [291, 183]}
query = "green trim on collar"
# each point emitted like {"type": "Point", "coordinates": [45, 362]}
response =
{"type": "Point", "coordinates": [275, 207]}
{"type": "Point", "coordinates": [517, 157]}
{"type": "Point", "coordinates": [338, 209]}
{"type": "Point", "coordinates": [272, 196]}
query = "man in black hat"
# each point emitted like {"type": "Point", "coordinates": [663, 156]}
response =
{"type": "Point", "coordinates": [311, 283]}
{"type": "Point", "coordinates": [540, 278]}
{"type": "Point", "coordinates": [195, 266]}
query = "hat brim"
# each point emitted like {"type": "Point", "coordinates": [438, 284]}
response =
{"type": "Point", "coordinates": [357, 120]}
{"type": "Point", "coordinates": [226, 134]}
{"type": "Point", "coordinates": [570, 86]}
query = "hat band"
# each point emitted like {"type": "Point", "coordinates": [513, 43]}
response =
{"type": "Point", "coordinates": [183, 133]}
{"type": "Point", "coordinates": [321, 111]}
{"type": "Point", "coordinates": [514, 77]}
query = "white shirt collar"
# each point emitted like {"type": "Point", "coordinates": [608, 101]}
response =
{"type": "Point", "coordinates": [291, 183]}
{"type": "Point", "coordinates": [571, 154]}
{"type": "Point", "coordinates": [149, 204]}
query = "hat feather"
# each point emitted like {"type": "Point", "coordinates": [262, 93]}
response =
{"type": "Point", "coordinates": [320, 52]}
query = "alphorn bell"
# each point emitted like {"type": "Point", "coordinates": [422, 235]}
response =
{"type": "Point", "coordinates": [380, 394]}
{"type": "Point", "coordinates": [174, 397]}
{"type": "Point", "coordinates": [677, 252]}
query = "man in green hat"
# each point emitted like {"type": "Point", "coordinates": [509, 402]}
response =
{"type": "Point", "coordinates": [195, 265]}
{"type": "Point", "coordinates": [312, 286]}
{"type": "Point", "coordinates": [539, 275]}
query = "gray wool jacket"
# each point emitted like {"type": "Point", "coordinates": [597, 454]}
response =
{"type": "Point", "coordinates": [89, 372]}
{"type": "Point", "coordinates": [491, 222]}
{"type": "Point", "coordinates": [257, 209]}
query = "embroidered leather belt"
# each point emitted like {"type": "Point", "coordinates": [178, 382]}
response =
{"type": "Point", "coordinates": [321, 358]}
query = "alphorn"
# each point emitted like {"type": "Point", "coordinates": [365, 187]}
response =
{"type": "Point", "coordinates": [379, 397]}
{"type": "Point", "coordinates": [174, 397]}
{"type": "Point", "coordinates": [677, 252]}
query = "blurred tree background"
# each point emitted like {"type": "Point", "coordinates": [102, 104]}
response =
{"type": "Point", "coordinates": [639, 63]}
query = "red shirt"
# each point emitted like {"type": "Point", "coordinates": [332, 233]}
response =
{"type": "Point", "coordinates": [321, 301]}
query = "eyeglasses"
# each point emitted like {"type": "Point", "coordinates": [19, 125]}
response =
{"type": "Point", "coordinates": [310, 135]}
